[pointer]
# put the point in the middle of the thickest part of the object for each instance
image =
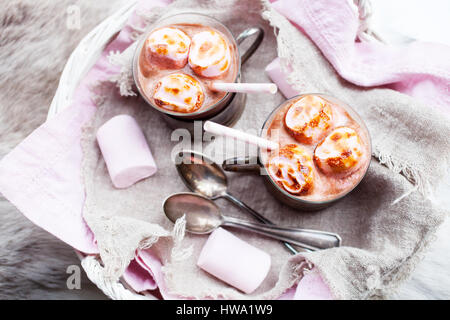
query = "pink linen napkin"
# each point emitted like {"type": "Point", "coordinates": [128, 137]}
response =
{"type": "Point", "coordinates": [139, 277]}
{"type": "Point", "coordinates": [419, 69]}
{"type": "Point", "coordinates": [145, 274]}
{"type": "Point", "coordinates": [41, 177]}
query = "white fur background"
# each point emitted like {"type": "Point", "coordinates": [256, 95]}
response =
{"type": "Point", "coordinates": [35, 42]}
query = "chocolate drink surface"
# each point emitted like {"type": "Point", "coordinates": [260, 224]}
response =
{"type": "Point", "coordinates": [181, 83]}
{"type": "Point", "coordinates": [324, 151]}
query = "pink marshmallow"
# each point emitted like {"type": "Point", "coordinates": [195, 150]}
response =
{"type": "Point", "coordinates": [277, 75]}
{"type": "Point", "coordinates": [125, 151]}
{"type": "Point", "coordinates": [234, 261]}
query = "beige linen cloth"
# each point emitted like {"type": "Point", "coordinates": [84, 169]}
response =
{"type": "Point", "coordinates": [384, 225]}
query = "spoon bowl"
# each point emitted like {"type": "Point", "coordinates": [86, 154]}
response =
{"type": "Point", "coordinates": [202, 215]}
{"type": "Point", "coordinates": [201, 174]}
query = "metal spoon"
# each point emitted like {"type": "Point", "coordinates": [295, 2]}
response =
{"type": "Point", "coordinates": [204, 176]}
{"type": "Point", "coordinates": [203, 216]}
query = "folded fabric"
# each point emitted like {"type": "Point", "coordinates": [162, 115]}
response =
{"type": "Point", "coordinates": [41, 177]}
{"type": "Point", "coordinates": [139, 277]}
{"type": "Point", "coordinates": [312, 287]}
{"type": "Point", "coordinates": [145, 273]}
{"type": "Point", "coordinates": [419, 69]}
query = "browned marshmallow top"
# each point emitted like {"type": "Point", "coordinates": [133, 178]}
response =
{"type": "Point", "coordinates": [168, 50]}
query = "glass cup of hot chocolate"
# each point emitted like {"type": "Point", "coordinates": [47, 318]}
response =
{"type": "Point", "coordinates": [324, 151]}
{"type": "Point", "coordinates": [179, 59]}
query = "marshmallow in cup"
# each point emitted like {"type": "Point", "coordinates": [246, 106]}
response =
{"type": "Point", "coordinates": [168, 47]}
{"type": "Point", "coordinates": [308, 119]}
{"type": "Point", "coordinates": [179, 92]}
{"type": "Point", "coordinates": [210, 55]}
{"type": "Point", "coordinates": [340, 152]}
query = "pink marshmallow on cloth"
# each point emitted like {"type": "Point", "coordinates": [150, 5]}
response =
{"type": "Point", "coordinates": [234, 261]}
{"type": "Point", "coordinates": [125, 150]}
{"type": "Point", "coordinates": [277, 75]}
{"type": "Point", "coordinates": [419, 69]}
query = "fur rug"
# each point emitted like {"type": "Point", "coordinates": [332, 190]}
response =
{"type": "Point", "coordinates": [34, 46]}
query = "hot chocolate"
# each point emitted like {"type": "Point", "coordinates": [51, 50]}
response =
{"type": "Point", "coordinates": [324, 151]}
{"type": "Point", "coordinates": [178, 62]}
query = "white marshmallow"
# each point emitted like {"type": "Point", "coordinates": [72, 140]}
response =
{"type": "Point", "coordinates": [308, 119]}
{"type": "Point", "coordinates": [178, 92]}
{"type": "Point", "coordinates": [168, 46]}
{"type": "Point", "coordinates": [210, 54]}
{"type": "Point", "coordinates": [339, 152]}
{"type": "Point", "coordinates": [292, 168]}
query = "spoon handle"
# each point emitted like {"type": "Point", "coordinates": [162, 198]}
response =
{"type": "Point", "coordinates": [310, 239]}
{"type": "Point", "coordinates": [257, 215]}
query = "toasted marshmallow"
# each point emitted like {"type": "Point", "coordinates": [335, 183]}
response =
{"type": "Point", "coordinates": [178, 92]}
{"type": "Point", "coordinates": [168, 47]}
{"type": "Point", "coordinates": [339, 152]}
{"type": "Point", "coordinates": [210, 55]}
{"type": "Point", "coordinates": [292, 168]}
{"type": "Point", "coordinates": [308, 119]}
